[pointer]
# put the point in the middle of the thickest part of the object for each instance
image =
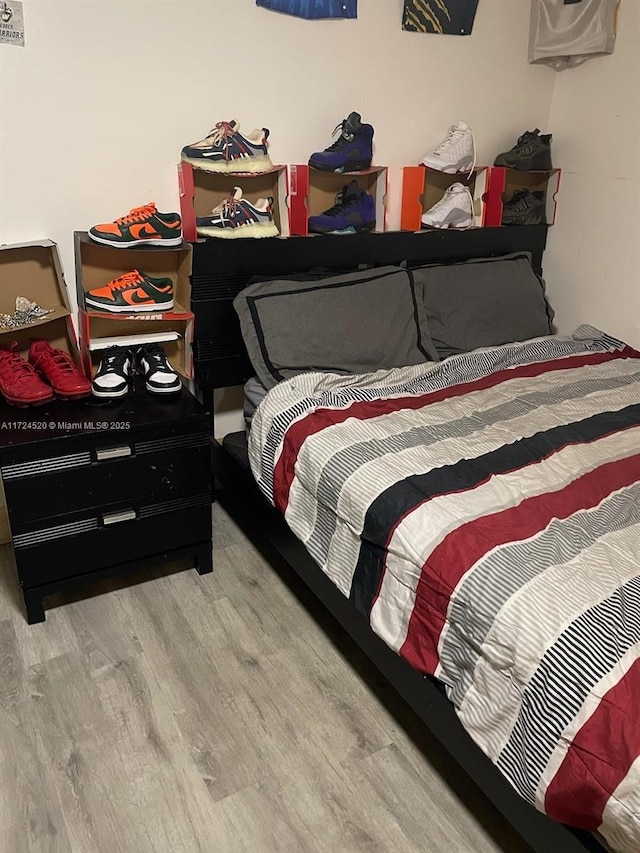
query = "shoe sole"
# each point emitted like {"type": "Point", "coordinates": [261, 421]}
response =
{"type": "Point", "coordinates": [529, 165]}
{"type": "Point", "coordinates": [343, 170]}
{"type": "Point", "coordinates": [526, 220]}
{"type": "Point", "coordinates": [128, 309]}
{"type": "Point", "coordinates": [255, 231]}
{"type": "Point", "coordinates": [463, 225]}
{"type": "Point", "coordinates": [352, 229]}
{"type": "Point", "coordinates": [153, 390]}
{"type": "Point", "coordinates": [78, 395]}
{"type": "Point", "coordinates": [250, 166]}
{"type": "Point", "coordinates": [462, 167]}
{"type": "Point", "coordinates": [129, 244]}
{"type": "Point", "coordinates": [109, 395]}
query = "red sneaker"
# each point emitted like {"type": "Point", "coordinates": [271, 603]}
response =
{"type": "Point", "coordinates": [61, 372]}
{"type": "Point", "coordinates": [20, 385]}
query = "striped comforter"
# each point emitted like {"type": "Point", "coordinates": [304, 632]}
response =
{"type": "Point", "coordinates": [484, 514]}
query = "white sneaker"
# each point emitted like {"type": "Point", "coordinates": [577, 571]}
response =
{"type": "Point", "coordinates": [454, 210]}
{"type": "Point", "coordinates": [456, 152]}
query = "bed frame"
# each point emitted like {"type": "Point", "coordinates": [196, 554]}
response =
{"type": "Point", "coordinates": [219, 273]}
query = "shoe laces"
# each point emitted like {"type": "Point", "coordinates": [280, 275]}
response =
{"type": "Point", "coordinates": [455, 189]}
{"type": "Point", "coordinates": [455, 134]}
{"type": "Point", "coordinates": [59, 360]}
{"type": "Point", "coordinates": [126, 280]}
{"type": "Point", "coordinates": [343, 199]}
{"type": "Point", "coordinates": [11, 360]}
{"type": "Point", "coordinates": [113, 359]}
{"type": "Point", "coordinates": [153, 352]}
{"type": "Point", "coordinates": [222, 131]}
{"type": "Point", "coordinates": [229, 206]}
{"type": "Point", "coordinates": [137, 214]}
{"type": "Point", "coordinates": [344, 138]}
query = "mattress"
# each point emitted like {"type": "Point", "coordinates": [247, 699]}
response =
{"type": "Point", "coordinates": [484, 514]}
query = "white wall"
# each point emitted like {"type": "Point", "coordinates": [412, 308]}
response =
{"type": "Point", "coordinates": [591, 264]}
{"type": "Point", "coordinates": [97, 106]}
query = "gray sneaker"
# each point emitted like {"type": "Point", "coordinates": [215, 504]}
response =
{"type": "Point", "coordinates": [531, 153]}
{"type": "Point", "coordinates": [525, 208]}
{"type": "Point", "coordinates": [454, 210]}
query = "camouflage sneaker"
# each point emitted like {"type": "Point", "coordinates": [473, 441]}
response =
{"type": "Point", "coordinates": [525, 208]}
{"type": "Point", "coordinates": [531, 153]}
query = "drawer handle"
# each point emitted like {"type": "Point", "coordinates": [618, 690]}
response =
{"type": "Point", "coordinates": [119, 517]}
{"type": "Point", "coordinates": [113, 452]}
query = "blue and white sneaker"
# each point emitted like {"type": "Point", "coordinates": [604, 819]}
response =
{"type": "Point", "coordinates": [226, 150]}
{"type": "Point", "coordinates": [237, 217]}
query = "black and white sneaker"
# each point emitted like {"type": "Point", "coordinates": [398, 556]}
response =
{"type": "Point", "coordinates": [159, 376]}
{"type": "Point", "coordinates": [114, 373]}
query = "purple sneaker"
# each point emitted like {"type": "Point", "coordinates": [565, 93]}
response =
{"type": "Point", "coordinates": [351, 152]}
{"type": "Point", "coordinates": [353, 212]}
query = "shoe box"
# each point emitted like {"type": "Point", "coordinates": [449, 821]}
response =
{"type": "Point", "coordinates": [97, 264]}
{"type": "Point", "coordinates": [422, 187]}
{"type": "Point", "coordinates": [504, 182]}
{"type": "Point", "coordinates": [33, 270]}
{"type": "Point", "coordinates": [201, 191]}
{"type": "Point", "coordinates": [312, 191]}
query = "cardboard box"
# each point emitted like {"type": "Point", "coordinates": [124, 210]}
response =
{"type": "Point", "coordinates": [504, 182]}
{"type": "Point", "coordinates": [33, 270]}
{"type": "Point", "coordinates": [311, 192]}
{"type": "Point", "coordinates": [422, 187]}
{"type": "Point", "coordinates": [95, 326]}
{"type": "Point", "coordinates": [201, 191]}
{"type": "Point", "coordinates": [96, 265]}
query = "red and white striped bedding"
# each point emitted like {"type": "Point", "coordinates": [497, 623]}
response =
{"type": "Point", "coordinates": [485, 514]}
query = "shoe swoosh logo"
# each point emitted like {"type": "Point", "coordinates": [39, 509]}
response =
{"type": "Point", "coordinates": [137, 297]}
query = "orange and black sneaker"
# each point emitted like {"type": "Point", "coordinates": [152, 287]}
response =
{"type": "Point", "coordinates": [131, 293]}
{"type": "Point", "coordinates": [142, 226]}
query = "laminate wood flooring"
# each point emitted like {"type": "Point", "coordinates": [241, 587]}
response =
{"type": "Point", "coordinates": [215, 714]}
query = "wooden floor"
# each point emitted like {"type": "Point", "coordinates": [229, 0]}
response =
{"type": "Point", "coordinates": [214, 714]}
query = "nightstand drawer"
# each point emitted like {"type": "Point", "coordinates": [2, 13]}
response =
{"type": "Point", "coordinates": [104, 539]}
{"type": "Point", "coordinates": [107, 473]}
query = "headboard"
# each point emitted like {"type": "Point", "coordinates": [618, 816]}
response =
{"type": "Point", "coordinates": [221, 269]}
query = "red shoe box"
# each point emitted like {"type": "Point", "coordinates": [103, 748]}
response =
{"type": "Point", "coordinates": [97, 264]}
{"type": "Point", "coordinates": [312, 191]}
{"type": "Point", "coordinates": [33, 270]}
{"type": "Point", "coordinates": [422, 187]}
{"type": "Point", "coordinates": [201, 191]}
{"type": "Point", "coordinates": [504, 182]}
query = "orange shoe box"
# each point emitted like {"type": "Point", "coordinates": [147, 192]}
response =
{"type": "Point", "coordinates": [504, 182]}
{"type": "Point", "coordinates": [201, 191]}
{"type": "Point", "coordinates": [312, 191]}
{"type": "Point", "coordinates": [422, 187]}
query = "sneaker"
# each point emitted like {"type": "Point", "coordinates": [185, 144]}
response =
{"type": "Point", "coordinates": [531, 153]}
{"type": "Point", "coordinates": [132, 293]}
{"type": "Point", "coordinates": [142, 226]}
{"type": "Point", "coordinates": [525, 208]}
{"type": "Point", "coordinates": [159, 376]}
{"type": "Point", "coordinates": [454, 210]}
{"type": "Point", "coordinates": [20, 385]}
{"type": "Point", "coordinates": [59, 370]}
{"type": "Point", "coordinates": [353, 212]}
{"type": "Point", "coordinates": [113, 374]}
{"type": "Point", "coordinates": [351, 152]}
{"type": "Point", "coordinates": [237, 217]}
{"type": "Point", "coordinates": [456, 152]}
{"type": "Point", "coordinates": [226, 150]}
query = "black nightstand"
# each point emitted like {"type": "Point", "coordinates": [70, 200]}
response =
{"type": "Point", "coordinates": [95, 490]}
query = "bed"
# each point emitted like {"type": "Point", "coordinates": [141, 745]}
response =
{"type": "Point", "coordinates": [446, 622]}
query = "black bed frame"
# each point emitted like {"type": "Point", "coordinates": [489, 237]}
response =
{"type": "Point", "coordinates": [220, 271]}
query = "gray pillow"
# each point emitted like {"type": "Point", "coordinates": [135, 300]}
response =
{"type": "Point", "coordinates": [483, 302]}
{"type": "Point", "coordinates": [352, 323]}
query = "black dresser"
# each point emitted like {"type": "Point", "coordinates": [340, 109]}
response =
{"type": "Point", "coordinates": [95, 490]}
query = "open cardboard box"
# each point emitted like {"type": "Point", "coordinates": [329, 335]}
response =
{"type": "Point", "coordinates": [95, 327]}
{"type": "Point", "coordinates": [201, 191]}
{"type": "Point", "coordinates": [504, 182]}
{"type": "Point", "coordinates": [33, 270]}
{"type": "Point", "coordinates": [312, 191]}
{"type": "Point", "coordinates": [423, 187]}
{"type": "Point", "coordinates": [96, 265]}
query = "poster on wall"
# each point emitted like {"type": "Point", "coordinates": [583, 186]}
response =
{"type": "Point", "coordinates": [313, 9]}
{"type": "Point", "coordinates": [11, 22]}
{"type": "Point", "coordinates": [445, 17]}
